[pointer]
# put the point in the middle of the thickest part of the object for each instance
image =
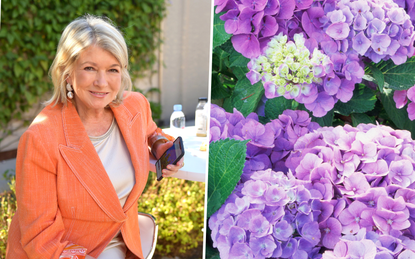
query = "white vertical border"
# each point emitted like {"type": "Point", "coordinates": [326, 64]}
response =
{"type": "Point", "coordinates": [205, 225]}
{"type": "Point", "coordinates": [0, 14]}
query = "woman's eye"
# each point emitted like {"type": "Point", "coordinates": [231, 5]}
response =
{"type": "Point", "coordinates": [89, 68]}
{"type": "Point", "coordinates": [114, 70]}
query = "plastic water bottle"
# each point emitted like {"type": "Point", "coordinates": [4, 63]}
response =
{"type": "Point", "coordinates": [177, 119]}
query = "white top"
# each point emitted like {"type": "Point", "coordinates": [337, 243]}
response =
{"type": "Point", "coordinates": [112, 150]}
{"type": "Point", "coordinates": [114, 155]}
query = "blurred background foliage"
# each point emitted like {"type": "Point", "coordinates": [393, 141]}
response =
{"type": "Point", "coordinates": [30, 32]}
{"type": "Point", "coordinates": [178, 206]}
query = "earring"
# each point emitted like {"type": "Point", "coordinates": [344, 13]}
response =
{"type": "Point", "coordinates": [69, 88]}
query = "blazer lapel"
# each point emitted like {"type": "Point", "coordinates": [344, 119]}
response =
{"type": "Point", "coordinates": [132, 128]}
{"type": "Point", "coordinates": [83, 160]}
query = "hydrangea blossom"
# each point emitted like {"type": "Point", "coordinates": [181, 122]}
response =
{"type": "Point", "coordinates": [379, 30]}
{"type": "Point", "coordinates": [318, 192]}
{"type": "Point", "coordinates": [289, 69]}
{"type": "Point", "coordinates": [252, 22]}
{"type": "Point", "coordinates": [345, 32]}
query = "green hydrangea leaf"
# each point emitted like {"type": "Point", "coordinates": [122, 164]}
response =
{"type": "Point", "coordinates": [378, 76]}
{"type": "Point", "coordinates": [358, 118]}
{"type": "Point", "coordinates": [219, 34]}
{"type": "Point", "coordinates": [236, 59]}
{"type": "Point", "coordinates": [275, 106]}
{"type": "Point", "coordinates": [218, 91]}
{"type": "Point", "coordinates": [363, 100]}
{"type": "Point", "coordinates": [226, 161]}
{"type": "Point", "coordinates": [212, 253]}
{"type": "Point", "coordinates": [245, 96]}
{"type": "Point", "coordinates": [400, 77]}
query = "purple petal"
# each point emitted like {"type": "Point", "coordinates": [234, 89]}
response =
{"type": "Point", "coordinates": [331, 232]}
{"type": "Point", "coordinates": [231, 21]}
{"type": "Point", "coordinates": [272, 7]}
{"type": "Point", "coordinates": [303, 4]}
{"type": "Point", "coordinates": [286, 9]}
{"type": "Point", "coordinates": [246, 44]}
{"type": "Point", "coordinates": [338, 31]}
{"type": "Point", "coordinates": [400, 98]}
{"type": "Point", "coordinates": [361, 43]}
{"type": "Point", "coordinates": [269, 26]}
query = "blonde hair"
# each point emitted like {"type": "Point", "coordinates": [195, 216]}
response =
{"type": "Point", "coordinates": [79, 35]}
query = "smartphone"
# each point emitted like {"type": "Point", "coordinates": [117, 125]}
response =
{"type": "Point", "coordinates": [171, 156]}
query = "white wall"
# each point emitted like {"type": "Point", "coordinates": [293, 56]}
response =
{"type": "Point", "coordinates": [185, 54]}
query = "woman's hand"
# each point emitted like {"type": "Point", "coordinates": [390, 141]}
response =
{"type": "Point", "coordinates": [171, 169]}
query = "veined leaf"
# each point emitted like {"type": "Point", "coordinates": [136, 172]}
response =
{"type": "Point", "coordinates": [226, 161]}
{"type": "Point", "coordinates": [377, 75]}
{"type": "Point", "coordinates": [363, 100]}
{"type": "Point", "coordinates": [275, 106]}
{"type": "Point", "coordinates": [358, 118]}
{"type": "Point", "coordinates": [236, 59]}
{"type": "Point", "coordinates": [245, 96]}
{"type": "Point", "coordinates": [397, 77]}
{"type": "Point", "coordinates": [219, 34]}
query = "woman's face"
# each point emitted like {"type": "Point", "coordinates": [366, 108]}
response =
{"type": "Point", "coordinates": [96, 79]}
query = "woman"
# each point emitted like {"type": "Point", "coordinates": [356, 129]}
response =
{"type": "Point", "coordinates": [83, 163]}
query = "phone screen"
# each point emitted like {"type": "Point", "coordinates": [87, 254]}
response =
{"type": "Point", "coordinates": [171, 156]}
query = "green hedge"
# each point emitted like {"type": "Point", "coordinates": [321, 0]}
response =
{"type": "Point", "coordinates": [30, 32]}
{"type": "Point", "coordinates": [177, 205]}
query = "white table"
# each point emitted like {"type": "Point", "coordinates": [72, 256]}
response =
{"type": "Point", "coordinates": [195, 165]}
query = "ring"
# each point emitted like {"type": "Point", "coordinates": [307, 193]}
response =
{"type": "Point", "coordinates": [183, 165]}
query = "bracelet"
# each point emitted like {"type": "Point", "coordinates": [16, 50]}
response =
{"type": "Point", "coordinates": [157, 139]}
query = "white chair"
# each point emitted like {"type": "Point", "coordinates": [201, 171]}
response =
{"type": "Point", "coordinates": [148, 234]}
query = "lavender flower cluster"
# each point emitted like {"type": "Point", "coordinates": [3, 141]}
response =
{"type": "Point", "coordinates": [252, 22]}
{"type": "Point", "coordinates": [376, 29]}
{"type": "Point", "coordinates": [317, 192]}
{"type": "Point", "coordinates": [345, 31]}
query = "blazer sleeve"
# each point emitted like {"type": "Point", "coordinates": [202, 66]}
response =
{"type": "Point", "coordinates": [39, 217]}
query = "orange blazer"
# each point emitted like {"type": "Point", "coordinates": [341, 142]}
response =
{"type": "Point", "coordinates": [63, 191]}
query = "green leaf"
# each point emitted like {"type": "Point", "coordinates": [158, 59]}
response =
{"type": "Point", "coordinates": [240, 72]}
{"type": "Point", "coordinates": [17, 69]}
{"type": "Point", "coordinates": [219, 34]}
{"type": "Point", "coordinates": [212, 253]}
{"type": "Point", "coordinates": [358, 118]}
{"type": "Point", "coordinates": [245, 96]}
{"type": "Point", "coordinates": [401, 77]}
{"type": "Point", "coordinates": [377, 75]}
{"type": "Point", "coordinates": [363, 100]}
{"type": "Point", "coordinates": [236, 59]}
{"type": "Point", "coordinates": [218, 91]}
{"type": "Point", "coordinates": [398, 116]}
{"type": "Point", "coordinates": [275, 106]}
{"type": "Point", "coordinates": [226, 161]}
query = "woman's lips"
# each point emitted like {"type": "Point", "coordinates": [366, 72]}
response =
{"type": "Point", "coordinates": [98, 94]}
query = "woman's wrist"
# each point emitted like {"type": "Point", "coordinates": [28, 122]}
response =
{"type": "Point", "coordinates": [156, 144]}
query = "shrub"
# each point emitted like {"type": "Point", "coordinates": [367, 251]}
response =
{"type": "Point", "coordinates": [178, 206]}
{"type": "Point", "coordinates": [7, 210]}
